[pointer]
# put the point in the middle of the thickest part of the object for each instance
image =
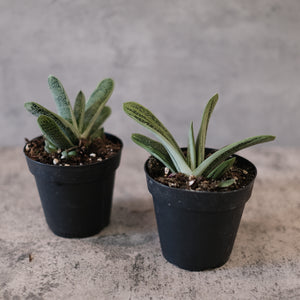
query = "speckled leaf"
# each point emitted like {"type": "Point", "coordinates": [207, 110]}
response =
{"type": "Point", "coordinates": [219, 156]}
{"type": "Point", "coordinates": [61, 100]}
{"type": "Point", "coordinates": [154, 148]}
{"type": "Point", "coordinates": [102, 92]}
{"type": "Point", "coordinates": [79, 109]}
{"type": "Point", "coordinates": [201, 138]}
{"type": "Point", "coordinates": [95, 105]}
{"type": "Point", "coordinates": [146, 118]}
{"type": "Point", "coordinates": [105, 113]}
{"type": "Point", "coordinates": [38, 110]}
{"type": "Point", "coordinates": [53, 133]}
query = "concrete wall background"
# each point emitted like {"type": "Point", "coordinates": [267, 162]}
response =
{"type": "Point", "coordinates": [170, 56]}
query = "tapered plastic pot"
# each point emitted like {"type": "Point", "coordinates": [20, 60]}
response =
{"type": "Point", "coordinates": [197, 229]}
{"type": "Point", "coordinates": [77, 200]}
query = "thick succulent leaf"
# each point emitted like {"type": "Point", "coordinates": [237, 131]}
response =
{"type": "Point", "coordinates": [226, 183]}
{"type": "Point", "coordinates": [69, 130]}
{"type": "Point", "coordinates": [95, 105]}
{"type": "Point", "coordinates": [146, 118]}
{"type": "Point", "coordinates": [221, 168]}
{"type": "Point", "coordinates": [191, 150]}
{"type": "Point", "coordinates": [99, 133]}
{"type": "Point", "coordinates": [79, 108]}
{"type": "Point", "coordinates": [90, 117]}
{"type": "Point", "coordinates": [49, 147]}
{"type": "Point", "coordinates": [61, 100]}
{"type": "Point", "coordinates": [201, 138]}
{"type": "Point", "coordinates": [219, 156]}
{"type": "Point", "coordinates": [105, 113]}
{"type": "Point", "coordinates": [102, 92]}
{"type": "Point", "coordinates": [154, 148]}
{"type": "Point", "coordinates": [53, 133]}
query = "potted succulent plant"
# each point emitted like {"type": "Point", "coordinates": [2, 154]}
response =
{"type": "Point", "coordinates": [199, 193]}
{"type": "Point", "coordinates": [74, 161]}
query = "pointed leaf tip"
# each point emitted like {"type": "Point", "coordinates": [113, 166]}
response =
{"type": "Point", "coordinates": [147, 119]}
{"type": "Point", "coordinates": [53, 133]}
{"type": "Point", "coordinates": [95, 104]}
{"type": "Point", "coordinates": [201, 137]}
{"type": "Point", "coordinates": [154, 148]}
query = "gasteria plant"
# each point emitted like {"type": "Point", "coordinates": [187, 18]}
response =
{"type": "Point", "coordinates": [65, 129]}
{"type": "Point", "coordinates": [194, 163]}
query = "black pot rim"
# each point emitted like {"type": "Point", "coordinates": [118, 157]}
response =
{"type": "Point", "coordinates": [207, 192]}
{"type": "Point", "coordinates": [108, 135]}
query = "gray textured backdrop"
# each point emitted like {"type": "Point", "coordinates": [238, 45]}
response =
{"type": "Point", "coordinates": [168, 55]}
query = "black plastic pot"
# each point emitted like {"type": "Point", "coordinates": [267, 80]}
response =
{"type": "Point", "coordinates": [77, 200]}
{"type": "Point", "coordinates": [197, 229]}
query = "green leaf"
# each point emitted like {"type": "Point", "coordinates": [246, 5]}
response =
{"type": "Point", "coordinates": [91, 116]}
{"type": "Point", "coordinates": [105, 113]}
{"type": "Point", "coordinates": [99, 133]}
{"type": "Point", "coordinates": [65, 154]}
{"type": "Point", "coordinates": [61, 100]}
{"type": "Point", "coordinates": [102, 92]}
{"type": "Point", "coordinates": [191, 150]}
{"type": "Point", "coordinates": [226, 183]}
{"type": "Point", "coordinates": [95, 105]}
{"type": "Point", "coordinates": [221, 168]}
{"type": "Point", "coordinates": [219, 156]}
{"type": "Point", "coordinates": [79, 108]}
{"type": "Point", "coordinates": [201, 138]}
{"type": "Point", "coordinates": [72, 153]}
{"type": "Point", "coordinates": [69, 130]}
{"type": "Point", "coordinates": [53, 133]}
{"type": "Point", "coordinates": [146, 118]}
{"type": "Point", "coordinates": [49, 147]}
{"type": "Point", "coordinates": [154, 148]}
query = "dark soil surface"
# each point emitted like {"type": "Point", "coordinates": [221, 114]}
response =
{"type": "Point", "coordinates": [242, 175]}
{"type": "Point", "coordinates": [87, 152]}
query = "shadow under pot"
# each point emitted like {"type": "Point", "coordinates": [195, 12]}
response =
{"type": "Point", "coordinates": [197, 229]}
{"type": "Point", "coordinates": [77, 200]}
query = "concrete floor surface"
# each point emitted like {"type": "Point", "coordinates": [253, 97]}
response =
{"type": "Point", "coordinates": [124, 261]}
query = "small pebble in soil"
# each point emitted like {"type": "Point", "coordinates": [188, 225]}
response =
{"type": "Point", "coordinates": [241, 174]}
{"type": "Point", "coordinates": [86, 153]}
{"type": "Point", "coordinates": [55, 161]}
{"type": "Point", "coordinates": [191, 182]}
{"type": "Point", "coordinates": [167, 170]}
{"type": "Point", "coordinates": [99, 159]}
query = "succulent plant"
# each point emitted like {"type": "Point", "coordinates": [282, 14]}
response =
{"type": "Point", "coordinates": [65, 129]}
{"type": "Point", "coordinates": [194, 162]}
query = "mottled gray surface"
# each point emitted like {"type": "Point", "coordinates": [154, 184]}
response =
{"type": "Point", "coordinates": [124, 261]}
{"type": "Point", "coordinates": [170, 55]}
